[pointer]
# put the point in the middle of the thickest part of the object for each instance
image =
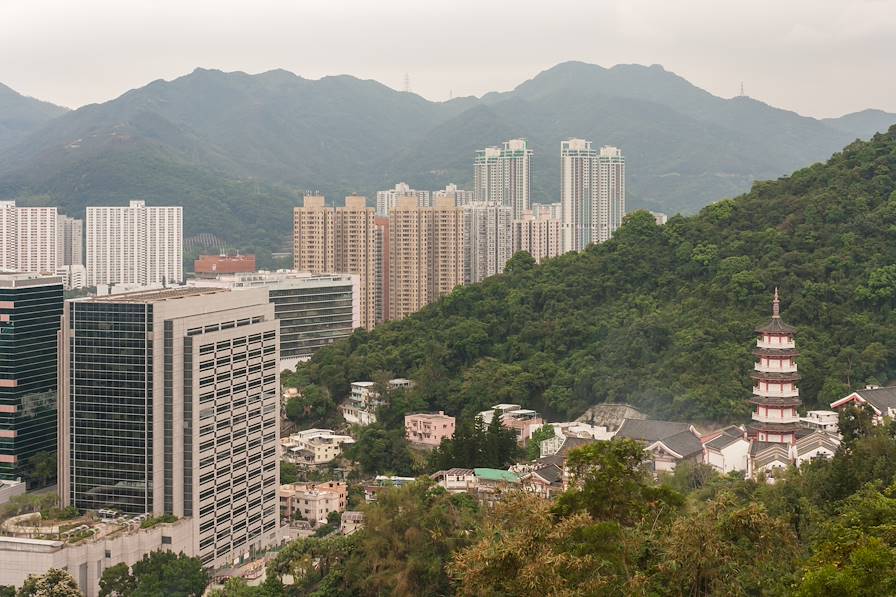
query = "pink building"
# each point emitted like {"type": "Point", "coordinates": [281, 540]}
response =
{"type": "Point", "coordinates": [428, 429]}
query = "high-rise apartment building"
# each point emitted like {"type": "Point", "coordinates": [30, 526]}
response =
{"type": "Point", "coordinates": [612, 191]}
{"type": "Point", "coordinates": [386, 200]}
{"type": "Point", "coordinates": [426, 256]}
{"type": "Point", "coordinates": [593, 193]}
{"type": "Point", "coordinates": [135, 245]}
{"type": "Point", "coordinates": [488, 240]}
{"type": "Point", "coordinates": [553, 211]}
{"type": "Point", "coordinates": [169, 404]}
{"type": "Point", "coordinates": [29, 240]}
{"type": "Point", "coordinates": [382, 269]}
{"type": "Point", "coordinates": [539, 235]}
{"type": "Point", "coordinates": [503, 175]}
{"type": "Point", "coordinates": [461, 198]}
{"type": "Point", "coordinates": [30, 310]}
{"type": "Point", "coordinates": [70, 235]}
{"type": "Point", "coordinates": [340, 240]}
{"type": "Point", "coordinates": [314, 310]}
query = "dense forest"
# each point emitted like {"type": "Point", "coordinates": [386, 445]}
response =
{"type": "Point", "coordinates": [662, 317]}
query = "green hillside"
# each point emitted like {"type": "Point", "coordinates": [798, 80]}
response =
{"type": "Point", "coordinates": [663, 317]}
{"type": "Point", "coordinates": [21, 115]}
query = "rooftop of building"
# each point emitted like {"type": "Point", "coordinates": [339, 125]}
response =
{"type": "Point", "coordinates": [155, 296]}
{"type": "Point", "coordinates": [495, 474]}
{"type": "Point", "coordinates": [880, 399]}
{"type": "Point", "coordinates": [15, 279]}
{"type": "Point", "coordinates": [649, 430]}
{"type": "Point", "coordinates": [439, 416]}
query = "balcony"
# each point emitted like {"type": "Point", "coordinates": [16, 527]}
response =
{"type": "Point", "coordinates": [763, 344]}
{"type": "Point", "coordinates": [774, 419]}
{"type": "Point", "coordinates": [768, 369]}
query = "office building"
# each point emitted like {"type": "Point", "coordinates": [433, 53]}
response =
{"type": "Point", "coordinates": [540, 236]}
{"type": "Point", "coordinates": [426, 254]}
{"type": "Point", "coordinates": [314, 310]}
{"type": "Point", "coordinates": [70, 241]}
{"type": "Point", "coordinates": [340, 240]}
{"type": "Point", "coordinates": [30, 311]}
{"type": "Point", "coordinates": [593, 193]}
{"type": "Point", "coordinates": [611, 192]}
{"type": "Point", "coordinates": [386, 200]}
{"type": "Point", "coordinates": [503, 175]}
{"type": "Point", "coordinates": [488, 240]}
{"type": "Point", "coordinates": [134, 245]}
{"type": "Point", "coordinates": [461, 198]}
{"type": "Point", "coordinates": [169, 404]}
{"type": "Point", "coordinates": [381, 276]}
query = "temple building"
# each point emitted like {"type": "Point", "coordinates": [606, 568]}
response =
{"type": "Point", "coordinates": [775, 395]}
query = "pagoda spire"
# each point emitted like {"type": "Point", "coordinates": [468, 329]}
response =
{"type": "Point", "coordinates": [776, 305]}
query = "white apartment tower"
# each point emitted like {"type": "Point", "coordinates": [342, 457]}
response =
{"type": "Point", "coordinates": [612, 191]}
{"type": "Point", "coordinates": [592, 196]}
{"type": "Point", "coordinates": [134, 245]}
{"type": "Point", "coordinates": [29, 238]}
{"type": "Point", "coordinates": [169, 403]}
{"type": "Point", "coordinates": [503, 175]}
{"type": "Point", "coordinates": [386, 200]}
{"type": "Point", "coordinates": [461, 198]}
{"type": "Point", "coordinates": [487, 240]}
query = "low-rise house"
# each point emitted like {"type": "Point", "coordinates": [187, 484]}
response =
{"type": "Point", "coordinates": [487, 415]}
{"type": "Point", "coordinates": [767, 458]}
{"type": "Point", "coordinates": [669, 452]}
{"type": "Point", "coordinates": [546, 481]}
{"type": "Point", "coordinates": [574, 429]}
{"type": "Point", "coordinates": [456, 480]}
{"type": "Point", "coordinates": [400, 383]}
{"type": "Point", "coordinates": [881, 400]}
{"type": "Point", "coordinates": [821, 420]}
{"type": "Point", "coordinates": [818, 444]}
{"type": "Point", "coordinates": [350, 522]}
{"type": "Point", "coordinates": [357, 415]}
{"type": "Point", "coordinates": [726, 450]}
{"type": "Point", "coordinates": [314, 447]}
{"type": "Point", "coordinates": [668, 442]}
{"type": "Point", "coordinates": [381, 482]}
{"type": "Point", "coordinates": [522, 420]}
{"type": "Point", "coordinates": [312, 501]}
{"type": "Point", "coordinates": [428, 429]}
{"type": "Point", "coordinates": [491, 483]}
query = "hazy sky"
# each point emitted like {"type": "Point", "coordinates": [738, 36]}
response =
{"type": "Point", "coordinates": [818, 57]}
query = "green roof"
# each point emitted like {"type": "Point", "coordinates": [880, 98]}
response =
{"type": "Point", "coordinates": [496, 474]}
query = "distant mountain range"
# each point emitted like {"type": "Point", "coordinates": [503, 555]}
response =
{"type": "Point", "coordinates": [237, 150]}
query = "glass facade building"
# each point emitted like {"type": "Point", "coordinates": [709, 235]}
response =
{"type": "Point", "coordinates": [30, 311]}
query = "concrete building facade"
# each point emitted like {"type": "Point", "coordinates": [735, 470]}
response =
{"type": "Point", "coordinates": [386, 200]}
{"type": "Point", "coordinates": [488, 240]}
{"type": "Point", "coordinates": [503, 175]}
{"type": "Point", "coordinates": [135, 245]}
{"type": "Point", "coordinates": [169, 404]}
{"type": "Point", "coordinates": [540, 236]}
{"type": "Point", "coordinates": [426, 256]}
{"type": "Point", "coordinates": [339, 240]}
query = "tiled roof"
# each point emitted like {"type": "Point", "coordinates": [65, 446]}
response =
{"type": "Point", "coordinates": [494, 474]}
{"type": "Point", "coordinates": [684, 443]}
{"type": "Point", "coordinates": [776, 326]}
{"type": "Point", "coordinates": [647, 430]}
{"type": "Point", "coordinates": [724, 440]}
{"type": "Point", "coordinates": [551, 473]}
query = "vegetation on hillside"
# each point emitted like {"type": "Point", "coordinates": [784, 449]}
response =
{"type": "Point", "coordinates": [662, 317]}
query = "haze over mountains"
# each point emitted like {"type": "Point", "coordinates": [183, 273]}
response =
{"type": "Point", "coordinates": [237, 150]}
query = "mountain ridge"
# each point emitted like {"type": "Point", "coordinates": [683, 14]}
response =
{"type": "Point", "coordinates": [284, 134]}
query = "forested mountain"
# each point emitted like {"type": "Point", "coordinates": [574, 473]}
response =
{"type": "Point", "coordinates": [663, 316]}
{"type": "Point", "coordinates": [236, 150]}
{"type": "Point", "coordinates": [21, 115]}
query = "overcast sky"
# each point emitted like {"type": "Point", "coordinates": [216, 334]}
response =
{"type": "Point", "coordinates": [818, 57]}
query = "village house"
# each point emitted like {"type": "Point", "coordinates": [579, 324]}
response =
{"type": "Point", "coordinates": [428, 429]}
{"type": "Point", "coordinates": [456, 480]}
{"type": "Point", "coordinates": [668, 442]}
{"type": "Point", "coordinates": [726, 450]}
{"type": "Point", "coordinates": [576, 429]}
{"type": "Point", "coordinates": [312, 501]}
{"type": "Point", "coordinates": [350, 522]}
{"type": "Point", "coordinates": [381, 482]}
{"type": "Point", "coordinates": [546, 481]}
{"type": "Point", "coordinates": [314, 447]}
{"type": "Point", "coordinates": [821, 420]}
{"type": "Point", "coordinates": [881, 400]}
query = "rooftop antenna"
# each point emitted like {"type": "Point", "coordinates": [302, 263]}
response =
{"type": "Point", "coordinates": [742, 94]}
{"type": "Point", "coordinates": [450, 94]}
{"type": "Point", "coordinates": [407, 83]}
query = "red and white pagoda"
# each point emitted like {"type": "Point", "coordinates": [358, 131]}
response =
{"type": "Point", "coordinates": [775, 395]}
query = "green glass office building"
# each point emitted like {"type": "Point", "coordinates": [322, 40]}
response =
{"type": "Point", "coordinates": [30, 312]}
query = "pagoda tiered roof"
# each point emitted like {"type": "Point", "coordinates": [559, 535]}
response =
{"type": "Point", "coordinates": [776, 326]}
{"type": "Point", "coordinates": [775, 375]}
{"type": "Point", "coordinates": [775, 352]}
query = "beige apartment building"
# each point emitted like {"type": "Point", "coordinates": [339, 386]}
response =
{"type": "Point", "coordinates": [340, 240]}
{"type": "Point", "coordinates": [313, 501]}
{"type": "Point", "coordinates": [426, 253]}
{"type": "Point", "coordinates": [169, 404]}
{"type": "Point", "coordinates": [539, 235]}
